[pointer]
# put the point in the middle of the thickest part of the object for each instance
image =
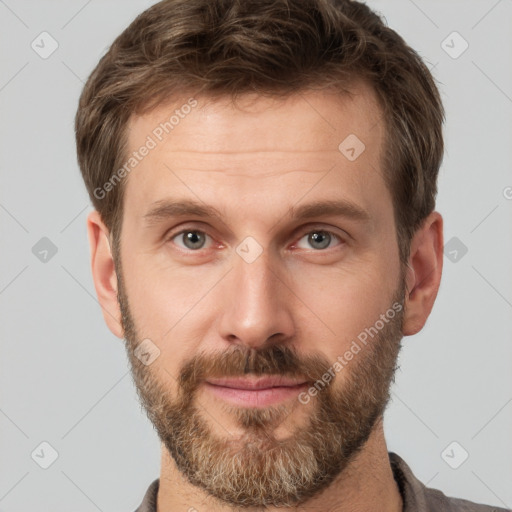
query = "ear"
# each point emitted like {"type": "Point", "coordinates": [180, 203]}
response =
{"type": "Point", "coordinates": [103, 272]}
{"type": "Point", "coordinates": [423, 276]}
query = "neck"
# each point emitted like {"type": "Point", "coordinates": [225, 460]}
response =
{"type": "Point", "coordinates": [367, 484]}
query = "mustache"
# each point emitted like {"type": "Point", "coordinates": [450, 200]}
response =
{"type": "Point", "coordinates": [239, 361]}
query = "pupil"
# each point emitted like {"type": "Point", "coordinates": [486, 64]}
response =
{"type": "Point", "coordinates": [321, 239]}
{"type": "Point", "coordinates": [193, 239]}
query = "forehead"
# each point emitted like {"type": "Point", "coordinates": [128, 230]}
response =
{"type": "Point", "coordinates": [271, 145]}
{"type": "Point", "coordinates": [317, 118]}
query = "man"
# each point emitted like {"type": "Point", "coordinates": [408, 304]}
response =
{"type": "Point", "coordinates": [264, 176]}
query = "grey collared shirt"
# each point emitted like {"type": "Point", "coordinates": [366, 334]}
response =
{"type": "Point", "coordinates": [416, 497]}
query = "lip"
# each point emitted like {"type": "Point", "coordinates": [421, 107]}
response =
{"type": "Point", "coordinates": [256, 383]}
{"type": "Point", "coordinates": [256, 392]}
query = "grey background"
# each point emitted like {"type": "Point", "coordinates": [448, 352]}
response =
{"type": "Point", "coordinates": [64, 378]}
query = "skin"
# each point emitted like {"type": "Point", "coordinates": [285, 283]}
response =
{"type": "Point", "coordinates": [254, 162]}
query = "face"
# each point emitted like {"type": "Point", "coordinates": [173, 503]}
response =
{"type": "Point", "coordinates": [260, 265]}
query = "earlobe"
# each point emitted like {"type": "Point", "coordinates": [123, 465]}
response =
{"type": "Point", "coordinates": [424, 270]}
{"type": "Point", "coordinates": [103, 272]}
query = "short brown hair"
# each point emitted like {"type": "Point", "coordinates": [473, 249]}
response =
{"type": "Point", "coordinates": [272, 48]}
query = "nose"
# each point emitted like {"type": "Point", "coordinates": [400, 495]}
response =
{"type": "Point", "coordinates": [257, 305]}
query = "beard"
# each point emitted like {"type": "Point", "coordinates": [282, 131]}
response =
{"type": "Point", "coordinates": [255, 469]}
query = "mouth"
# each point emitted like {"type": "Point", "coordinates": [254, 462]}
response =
{"type": "Point", "coordinates": [256, 392]}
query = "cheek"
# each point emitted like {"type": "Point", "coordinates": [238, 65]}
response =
{"type": "Point", "coordinates": [170, 306]}
{"type": "Point", "coordinates": [157, 295]}
{"type": "Point", "coordinates": [340, 305]}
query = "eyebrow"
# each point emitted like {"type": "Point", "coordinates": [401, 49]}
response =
{"type": "Point", "coordinates": [164, 209]}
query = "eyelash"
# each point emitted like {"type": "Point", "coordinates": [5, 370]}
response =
{"type": "Point", "coordinates": [311, 230]}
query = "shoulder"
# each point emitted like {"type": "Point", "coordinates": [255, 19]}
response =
{"type": "Point", "coordinates": [419, 498]}
{"type": "Point", "coordinates": [149, 502]}
{"type": "Point", "coordinates": [439, 501]}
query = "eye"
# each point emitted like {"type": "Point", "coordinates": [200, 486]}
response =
{"type": "Point", "coordinates": [318, 239]}
{"type": "Point", "coordinates": [191, 239]}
